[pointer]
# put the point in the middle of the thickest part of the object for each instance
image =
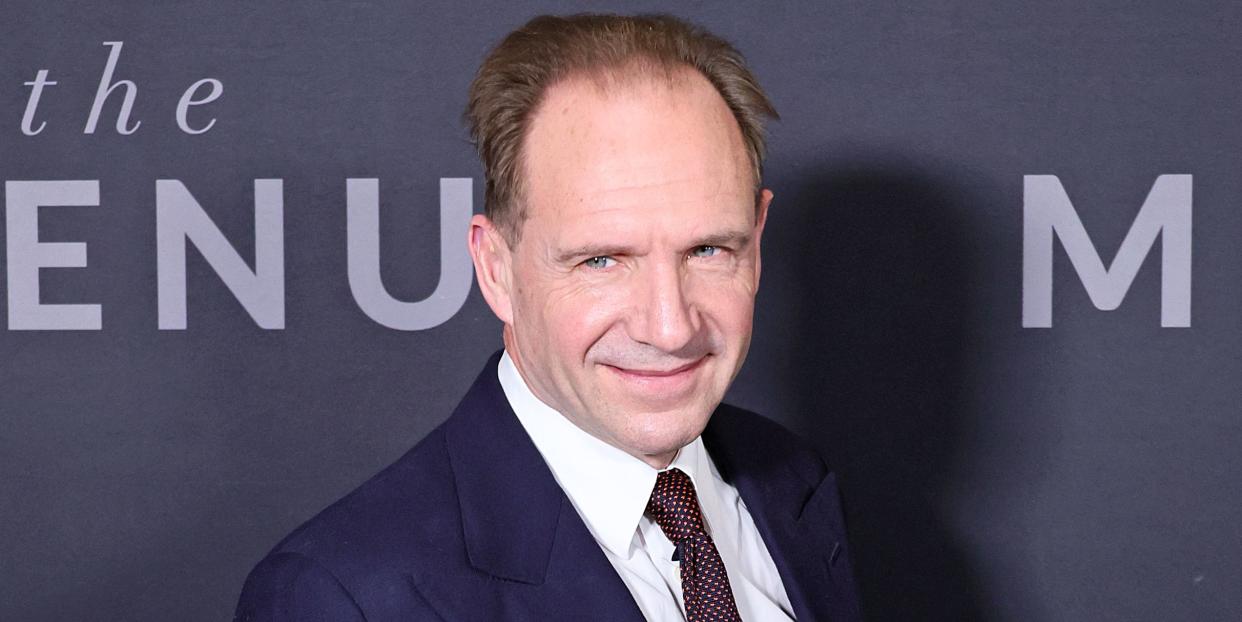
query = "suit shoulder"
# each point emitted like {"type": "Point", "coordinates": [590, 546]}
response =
{"type": "Point", "coordinates": [405, 509]}
{"type": "Point", "coordinates": [747, 432]}
{"type": "Point", "coordinates": [289, 586]}
{"type": "Point", "coordinates": [740, 422]}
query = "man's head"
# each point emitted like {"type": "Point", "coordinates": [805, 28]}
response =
{"type": "Point", "coordinates": [620, 245]}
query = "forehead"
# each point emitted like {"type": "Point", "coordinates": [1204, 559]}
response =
{"type": "Point", "coordinates": [599, 146]}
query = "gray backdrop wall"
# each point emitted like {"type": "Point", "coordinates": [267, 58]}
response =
{"type": "Point", "coordinates": [1083, 471]}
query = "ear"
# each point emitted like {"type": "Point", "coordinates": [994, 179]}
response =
{"type": "Point", "coordinates": [493, 266]}
{"type": "Point", "coordinates": [761, 219]}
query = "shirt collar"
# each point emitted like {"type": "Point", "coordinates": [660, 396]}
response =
{"type": "Point", "coordinates": [607, 486]}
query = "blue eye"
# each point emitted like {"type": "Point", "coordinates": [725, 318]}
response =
{"type": "Point", "coordinates": [599, 263]}
{"type": "Point", "coordinates": [705, 251]}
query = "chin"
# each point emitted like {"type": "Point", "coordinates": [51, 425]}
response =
{"type": "Point", "coordinates": [660, 433]}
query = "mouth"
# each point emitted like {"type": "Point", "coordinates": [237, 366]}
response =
{"type": "Point", "coordinates": [659, 382]}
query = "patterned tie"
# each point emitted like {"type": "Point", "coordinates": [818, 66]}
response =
{"type": "Point", "coordinates": [704, 583]}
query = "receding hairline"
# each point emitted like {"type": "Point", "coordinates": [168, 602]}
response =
{"type": "Point", "coordinates": [622, 80]}
{"type": "Point", "coordinates": [610, 51]}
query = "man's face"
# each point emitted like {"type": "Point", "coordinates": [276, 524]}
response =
{"type": "Point", "coordinates": [628, 299]}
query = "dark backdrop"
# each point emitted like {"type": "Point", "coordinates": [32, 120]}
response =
{"type": "Point", "coordinates": [1086, 471]}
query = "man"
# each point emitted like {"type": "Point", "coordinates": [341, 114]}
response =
{"type": "Point", "coordinates": [591, 472]}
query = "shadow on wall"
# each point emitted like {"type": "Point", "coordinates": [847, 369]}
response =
{"type": "Point", "coordinates": [882, 267]}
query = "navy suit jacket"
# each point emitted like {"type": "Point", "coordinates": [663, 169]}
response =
{"type": "Point", "coordinates": [471, 525]}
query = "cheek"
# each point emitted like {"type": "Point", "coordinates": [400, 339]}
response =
{"type": "Point", "coordinates": [734, 319]}
{"type": "Point", "coordinates": [576, 316]}
{"type": "Point", "coordinates": [728, 301]}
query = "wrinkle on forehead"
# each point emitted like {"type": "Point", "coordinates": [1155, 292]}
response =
{"type": "Point", "coordinates": [681, 188]}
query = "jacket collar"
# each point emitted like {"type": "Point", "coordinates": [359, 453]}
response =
{"type": "Point", "coordinates": [510, 503]}
{"type": "Point", "coordinates": [519, 526]}
{"type": "Point", "coordinates": [794, 502]}
{"type": "Point", "coordinates": [517, 523]}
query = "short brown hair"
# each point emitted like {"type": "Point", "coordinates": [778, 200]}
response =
{"type": "Point", "coordinates": [517, 73]}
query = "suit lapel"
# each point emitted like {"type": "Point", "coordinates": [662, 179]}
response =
{"type": "Point", "coordinates": [536, 560]}
{"type": "Point", "coordinates": [795, 505]}
{"type": "Point", "coordinates": [518, 525]}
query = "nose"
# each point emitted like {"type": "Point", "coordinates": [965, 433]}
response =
{"type": "Point", "coordinates": [664, 317]}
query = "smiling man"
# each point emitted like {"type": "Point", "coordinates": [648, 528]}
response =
{"type": "Point", "coordinates": [591, 473]}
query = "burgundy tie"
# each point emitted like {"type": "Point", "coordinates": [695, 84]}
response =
{"type": "Point", "coordinates": [704, 583]}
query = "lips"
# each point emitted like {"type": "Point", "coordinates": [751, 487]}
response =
{"type": "Point", "coordinates": [659, 382]}
{"type": "Point", "coordinates": [657, 373]}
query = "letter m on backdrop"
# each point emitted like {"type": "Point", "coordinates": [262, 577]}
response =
{"type": "Point", "coordinates": [1047, 212]}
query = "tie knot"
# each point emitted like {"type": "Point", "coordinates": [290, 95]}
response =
{"type": "Point", "coordinates": [674, 506]}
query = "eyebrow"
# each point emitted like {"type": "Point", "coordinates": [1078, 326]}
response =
{"type": "Point", "coordinates": [737, 239]}
{"type": "Point", "coordinates": [587, 251]}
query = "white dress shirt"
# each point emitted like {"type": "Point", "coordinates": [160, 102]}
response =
{"type": "Point", "coordinates": [610, 488]}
